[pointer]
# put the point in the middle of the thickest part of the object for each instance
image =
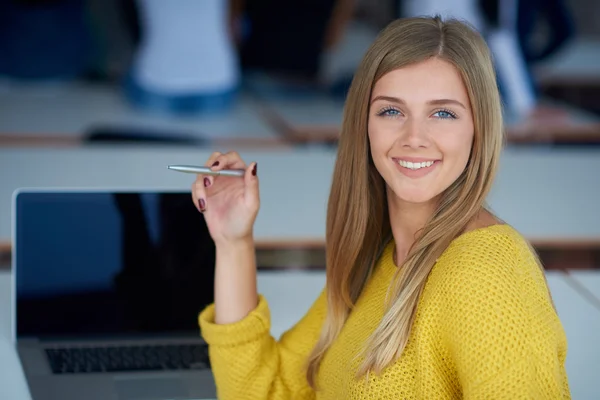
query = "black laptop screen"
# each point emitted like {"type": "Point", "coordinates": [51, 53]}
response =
{"type": "Point", "coordinates": [94, 264]}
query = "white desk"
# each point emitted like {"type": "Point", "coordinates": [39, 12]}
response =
{"type": "Point", "coordinates": [284, 177]}
{"type": "Point", "coordinates": [587, 283]}
{"type": "Point", "coordinates": [578, 61]}
{"type": "Point", "coordinates": [549, 195]}
{"type": "Point", "coordinates": [581, 322]}
{"type": "Point", "coordinates": [12, 380]}
{"type": "Point", "coordinates": [290, 293]}
{"type": "Point", "coordinates": [589, 280]}
{"type": "Point", "coordinates": [68, 111]}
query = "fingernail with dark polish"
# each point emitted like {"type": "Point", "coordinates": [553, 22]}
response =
{"type": "Point", "coordinates": [206, 182]}
{"type": "Point", "coordinates": [215, 163]}
{"type": "Point", "coordinates": [254, 169]}
{"type": "Point", "coordinates": [202, 205]}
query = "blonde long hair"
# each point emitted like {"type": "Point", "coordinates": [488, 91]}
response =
{"type": "Point", "coordinates": [357, 214]}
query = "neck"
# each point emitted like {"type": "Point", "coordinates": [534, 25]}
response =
{"type": "Point", "coordinates": [406, 219]}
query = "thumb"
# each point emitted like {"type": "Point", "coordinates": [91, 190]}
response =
{"type": "Point", "coordinates": [251, 196]}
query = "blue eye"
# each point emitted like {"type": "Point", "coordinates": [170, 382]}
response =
{"type": "Point", "coordinates": [389, 112]}
{"type": "Point", "coordinates": [445, 114]}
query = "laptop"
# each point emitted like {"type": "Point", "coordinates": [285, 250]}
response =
{"type": "Point", "coordinates": [107, 288]}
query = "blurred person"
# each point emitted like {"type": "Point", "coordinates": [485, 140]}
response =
{"type": "Point", "coordinates": [186, 61]}
{"type": "Point", "coordinates": [553, 15]}
{"type": "Point", "coordinates": [287, 40]}
{"type": "Point", "coordinates": [515, 81]}
{"type": "Point", "coordinates": [467, 10]}
{"type": "Point", "coordinates": [511, 28]}
{"type": "Point", "coordinates": [428, 295]}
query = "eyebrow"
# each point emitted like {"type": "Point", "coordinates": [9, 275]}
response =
{"type": "Point", "coordinates": [436, 102]}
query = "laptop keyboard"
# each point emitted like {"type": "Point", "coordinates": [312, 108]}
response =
{"type": "Point", "coordinates": [131, 358]}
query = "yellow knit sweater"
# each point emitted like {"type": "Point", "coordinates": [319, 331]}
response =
{"type": "Point", "coordinates": [485, 329]}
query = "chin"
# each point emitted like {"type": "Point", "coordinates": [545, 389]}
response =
{"type": "Point", "coordinates": [414, 196]}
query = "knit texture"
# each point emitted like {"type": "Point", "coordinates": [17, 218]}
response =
{"type": "Point", "coordinates": [485, 329]}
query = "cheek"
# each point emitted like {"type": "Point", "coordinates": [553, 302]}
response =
{"type": "Point", "coordinates": [457, 145]}
{"type": "Point", "coordinates": [378, 149]}
{"type": "Point", "coordinates": [375, 140]}
{"type": "Point", "coordinates": [381, 137]}
{"type": "Point", "coordinates": [466, 146]}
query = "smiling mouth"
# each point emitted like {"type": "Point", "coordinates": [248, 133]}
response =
{"type": "Point", "coordinates": [415, 165]}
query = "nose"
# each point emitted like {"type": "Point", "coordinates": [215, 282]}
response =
{"type": "Point", "coordinates": [414, 134]}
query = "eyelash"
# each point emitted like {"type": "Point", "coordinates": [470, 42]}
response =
{"type": "Point", "coordinates": [388, 109]}
{"type": "Point", "coordinates": [444, 110]}
{"type": "Point", "coordinates": [385, 110]}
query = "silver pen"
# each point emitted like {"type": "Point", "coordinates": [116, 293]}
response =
{"type": "Point", "coordinates": [194, 169]}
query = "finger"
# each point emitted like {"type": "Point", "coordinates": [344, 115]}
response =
{"type": "Point", "coordinates": [213, 157]}
{"type": "Point", "coordinates": [206, 179]}
{"type": "Point", "coordinates": [199, 195]}
{"type": "Point", "coordinates": [251, 194]}
{"type": "Point", "coordinates": [228, 160]}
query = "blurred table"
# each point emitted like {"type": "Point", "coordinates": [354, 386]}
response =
{"type": "Point", "coordinates": [581, 321]}
{"type": "Point", "coordinates": [62, 114]}
{"type": "Point", "coordinates": [573, 74]}
{"type": "Point", "coordinates": [577, 61]}
{"type": "Point", "coordinates": [287, 212]}
{"type": "Point", "coordinates": [549, 195]}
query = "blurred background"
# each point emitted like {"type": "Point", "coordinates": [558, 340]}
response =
{"type": "Point", "coordinates": [87, 70]}
{"type": "Point", "coordinates": [106, 92]}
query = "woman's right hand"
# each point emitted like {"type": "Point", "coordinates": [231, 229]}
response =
{"type": "Point", "coordinates": [229, 204]}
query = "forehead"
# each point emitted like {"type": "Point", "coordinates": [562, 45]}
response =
{"type": "Point", "coordinates": [424, 81]}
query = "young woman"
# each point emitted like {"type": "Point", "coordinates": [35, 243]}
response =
{"type": "Point", "coordinates": [428, 295]}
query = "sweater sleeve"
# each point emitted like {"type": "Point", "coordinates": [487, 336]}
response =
{"type": "Point", "coordinates": [503, 335]}
{"type": "Point", "coordinates": [248, 363]}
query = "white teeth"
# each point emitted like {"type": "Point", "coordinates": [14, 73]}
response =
{"type": "Point", "coordinates": [414, 166]}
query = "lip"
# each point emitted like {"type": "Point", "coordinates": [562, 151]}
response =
{"type": "Point", "coordinates": [418, 173]}
{"type": "Point", "coordinates": [414, 159]}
